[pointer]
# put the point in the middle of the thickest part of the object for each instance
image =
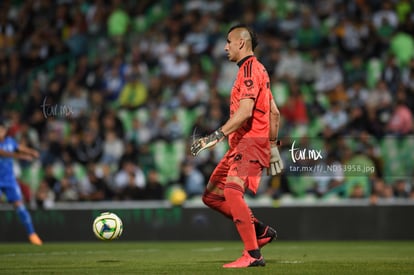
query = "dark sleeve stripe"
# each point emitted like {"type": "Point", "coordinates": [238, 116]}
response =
{"type": "Point", "coordinates": [248, 69]}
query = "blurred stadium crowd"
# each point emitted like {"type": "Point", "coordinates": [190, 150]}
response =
{"type": "Point", "coordinates": [111, 93]}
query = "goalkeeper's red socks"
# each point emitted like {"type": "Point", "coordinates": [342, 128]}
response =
{"type": "Point", "coordinates": [219, 204]}
{"type": "Point", "coordinates": [241, 214]}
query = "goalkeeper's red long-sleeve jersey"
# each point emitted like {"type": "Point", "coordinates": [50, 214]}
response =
{"type": "Point", "coordinates": [252, 138]}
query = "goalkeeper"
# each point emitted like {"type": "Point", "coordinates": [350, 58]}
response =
{"type": "Point", "coordinates": [252, 131]}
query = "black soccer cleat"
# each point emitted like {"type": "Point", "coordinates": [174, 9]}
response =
{"type": "Point", "coordinates": [268, 236]}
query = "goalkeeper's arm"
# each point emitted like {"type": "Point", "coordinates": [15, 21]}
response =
{"type": "Point", "coordinates": [276, 163]}
{"type": "Point", "coordinates": [274, 121]}
{"type": "Point", "coordinates": [243, 113]}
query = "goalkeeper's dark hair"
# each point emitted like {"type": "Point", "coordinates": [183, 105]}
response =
{"type": "Point", "coordinates": [252, 33]}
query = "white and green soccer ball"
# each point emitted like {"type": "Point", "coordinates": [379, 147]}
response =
{"type": "Point", "coordinates": [107, 226]}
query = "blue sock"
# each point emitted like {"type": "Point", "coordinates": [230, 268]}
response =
{"type": "Point", "coordinates": [25, 219]}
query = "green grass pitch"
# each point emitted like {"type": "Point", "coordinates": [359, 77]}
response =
{"type": "Point", "coordinates": [282, 257]}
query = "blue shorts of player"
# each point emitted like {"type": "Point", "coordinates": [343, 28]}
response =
{"type": "Point", "coordinates": [12, 192]}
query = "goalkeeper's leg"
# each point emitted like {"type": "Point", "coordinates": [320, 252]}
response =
{"type": "Point", "coordinates": [264, 233]}
{"type": "Point", "coordinates": [213, 197]}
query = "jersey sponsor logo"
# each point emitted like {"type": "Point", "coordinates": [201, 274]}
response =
{"type": "Point", "coordinates": [248, 83]}
{"type": "Point", "coordinates": [238, 157]}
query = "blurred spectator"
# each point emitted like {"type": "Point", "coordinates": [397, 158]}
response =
{"type": "Point", "coordinates": [113, 148]}
{"type": "Point", "coordinates": [290, 64]}
{"type": "Point", "coordinates": [51, 146]}
{"type": "Point", "coordinates": [391, 74]}
{"type": "Point", "coordinates": [311, 67]}
{"type": "Point", "coordinates": [154, 190]}
{"type": "Point", "coordinates": [44, 196]}
{"type": "Point", "coordinates": [351, 34]}
{"type": "Point", "coordinates": [294, 111]}
{"type": "Point", "coordinates": [380, 104]}
{"type": "Point", "coordinates": [289, 24]}
{"type": "Point", "coordinates": [130, 152]}
{"type": "Point", "coordinates": [146, 158]}
{"type": "Point", "coordinates": [137, 62]}
{"type": "Point", "coordinates": [401, 189]}
{"type": "Point", "coordinates": [330, 77]}
{"type": "Point", "coordinates": [197, 37]}
{"type": "Point", "coordinates": [191, 179]}
{"type": "Point", "coordinates": [380, 190]}
{"type": "Point", "coordinates": [226, 73]}
{"type": "Point", "coordinates": [333, 178]}
{"type": "Point", "coordinates": [94, 187]}
{"type": "Point", "coordinates": [84, 72]}
{"type": "Point", "coordinates": [8, 33]}
{"type": "Point", "coordinates": [156, 91]}
{"type": "Point", "coordinates": [356, 106]}
{"type": "Point", "coordinates": [131, 191]}
{"type": "Point", "coordinates": [28, 135]}
{"type": "Point", "coordinates": [408, 86]}
{"type": "Point", "coordinates": [308, 35]}
{"type": "Point", "coordinates": [357, 94]}
{"type": "Point", "coordinates": [96, 17]}
{"type": "Point", "coordinates": [75, 100]}
{"type": "Point", "coordinates": [357, 192]}
{"type": "Point", "coordinates": [401, 120]}
{"type": "Point", "coordinates": [50, 178]}
{"type": "Point", "coordinates": [114, 78]}
{"type": "Point", "coordinates": [194, 92]}
{"type": "Point", "coordinates": [174, 65]}
{"type": "Point", "coordinates": [134, 93]}
{"type": "Point", "coordinates": [90, 147]}
{"type": "Point", "coordinates": [76, 33]}
{"type": "Point", "coordinates": [172, 129]}
{"type": "Point", "coordinates": [16, 73]}
{"type": "Point", "coordinates": [111, 122]}
{"type": "Point", "coordinates": [355, 70]}
{"type": "Point", "coordinates": [68, 191]}
{"type": "Point", "coordinates": [139, 133]}
{"type": "Point", "coordinates": [334, 121]}
{"type": "Point", "coordinates": [34, 98]}
{"type": "Point", "coordinates": [129, 175]}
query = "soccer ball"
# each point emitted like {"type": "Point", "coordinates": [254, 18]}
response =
{"type": "Point", "coordinates": [107, 226]}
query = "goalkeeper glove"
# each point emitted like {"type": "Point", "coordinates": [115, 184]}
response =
{"type": "Point", "coordinates": [276, 163]}
{"type": "Point", "coordinates": [206, 142]}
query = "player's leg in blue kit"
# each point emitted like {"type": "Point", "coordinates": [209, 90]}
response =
{"type": "Point", "coordinates": [14, 196]}
{"type": "Point", "coordinates": [25, 218]}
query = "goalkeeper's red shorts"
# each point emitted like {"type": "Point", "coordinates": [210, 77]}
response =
{"type": "Point", "coordinates": [237, 165]}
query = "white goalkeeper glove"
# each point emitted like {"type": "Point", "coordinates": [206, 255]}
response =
{"type": "Point", "coordinates": [206, 142]}
{"type": "Point", "coordinates": [276, 163]}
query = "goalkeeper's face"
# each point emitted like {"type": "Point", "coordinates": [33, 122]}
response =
{"type": "Point", "coordinates": [239, 44]}
{"type": "Point", "coordinates": [233, 46]}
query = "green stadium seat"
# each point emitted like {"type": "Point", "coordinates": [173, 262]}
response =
{"type": "Point", "coordinates": [280, 93]}
{"type": "Point", "coordinates": [374, 69]}
{"type": "Point", "coordinates": [126, 118]}
{"type": "Point", "coordinates": [299, 185]}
